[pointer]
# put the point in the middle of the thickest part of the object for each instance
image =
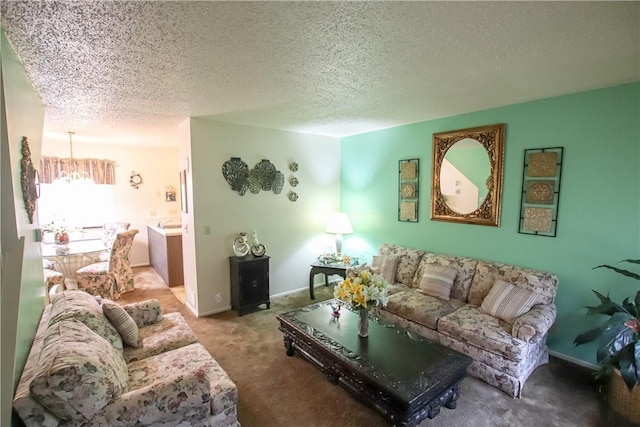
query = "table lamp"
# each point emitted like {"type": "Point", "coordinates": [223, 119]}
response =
{"type": "Point", "coordinates": [339, 225]}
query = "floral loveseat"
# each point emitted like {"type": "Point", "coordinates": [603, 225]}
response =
{"type": "Point", "coordinates": [79, 372]}
{"type": "Point", "coordinates": [497, 314]}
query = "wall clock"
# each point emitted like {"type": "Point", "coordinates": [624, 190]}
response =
{"type": "Point", "coordinates": [135, 180]}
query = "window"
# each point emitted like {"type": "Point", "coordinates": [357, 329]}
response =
{"type": "Point", "coordinates": [77, 204]}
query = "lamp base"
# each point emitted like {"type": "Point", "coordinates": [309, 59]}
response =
{"type": "Point", "coordinates": [338, 244]}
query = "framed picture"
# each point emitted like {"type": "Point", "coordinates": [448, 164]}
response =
{"type": "Point", "coordinates": [541, 176]}
{"type": "Point", "coordinates": [170, 194]}
{"type": "Point", "coordinates": [183, 190]}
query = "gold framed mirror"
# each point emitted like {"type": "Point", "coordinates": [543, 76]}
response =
{"type": "Point", "coordinates": [467, 174]}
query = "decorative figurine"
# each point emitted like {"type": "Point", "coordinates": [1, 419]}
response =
{"type": "Point", "coordinates": [258, 249]}
{"type": "Point", "coordinates": [335, 310]}
{"type": "Point", "coordinates": [240, 245]}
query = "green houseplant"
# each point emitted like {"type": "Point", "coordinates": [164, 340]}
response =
{"type": "Point", "coordinates": [618, 337]}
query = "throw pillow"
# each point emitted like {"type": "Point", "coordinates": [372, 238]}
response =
{"type": "Point", "coordinates": [78, 373]}
{"type": "Point", "coordinates": [437, 281]}
{"type": "Point", "coordinates": [124, 324]}
{"type": "Point", "coordinates": [386, 264]}
{"type": "Point", "coordinates": [507, 302]}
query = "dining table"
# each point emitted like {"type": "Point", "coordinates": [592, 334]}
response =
{"type": "Point", "coordinates": [70, 257]}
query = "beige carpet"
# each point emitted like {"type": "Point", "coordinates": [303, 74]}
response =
{"type": "Point", "coordinates": [146, 278]}
{"type": "Point", "coordinates": [280, 391]}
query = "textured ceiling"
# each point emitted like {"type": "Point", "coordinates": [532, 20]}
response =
{"type": "Point", "coordinates": [131, 71]}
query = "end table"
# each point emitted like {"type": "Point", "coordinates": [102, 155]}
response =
{"type": "Point", "coordinates": [339, 269]}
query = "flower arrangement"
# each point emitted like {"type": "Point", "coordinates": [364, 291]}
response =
{"type": "Point", "coordinates": [60, 230]}
{"type": "Point", "coordinates": [362, 288]}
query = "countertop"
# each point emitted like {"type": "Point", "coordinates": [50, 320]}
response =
{"type": "Point", "coordinates": [166, 231]}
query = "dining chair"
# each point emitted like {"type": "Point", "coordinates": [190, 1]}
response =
{"type": "Point", "coordinates": [109, 232]}
{"type": "Point", "coordinates": [110, 278]}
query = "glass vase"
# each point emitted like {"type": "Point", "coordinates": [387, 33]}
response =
{"type": "Point", "coordinates": [363, 323]}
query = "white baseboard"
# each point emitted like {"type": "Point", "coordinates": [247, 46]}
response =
{"type": "Point", "coordinates": [573, 360]}
{"type": "Point", "coordinates": [209, 313]}
{"type": "Point", "coordinates": [306, 288]}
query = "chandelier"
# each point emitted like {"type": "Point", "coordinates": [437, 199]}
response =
{"type": "Point", "coordinates": [73, 176]}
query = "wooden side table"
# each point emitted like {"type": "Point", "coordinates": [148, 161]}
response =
{"type": "Point", "coordinates": [327, 270]}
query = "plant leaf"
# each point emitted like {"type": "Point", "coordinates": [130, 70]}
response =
{"type": "Point", "coordinates": [621, 271]}
{"type": "Point", "coordinates": [636, 354]}
{"type": "Point", "coordinates": [631, 261]}
{"type": "Point", "coordinates": [637, 303]}
{"type": "Point", "coordinates": [588, 336]}
{"type": "Point", "coordinates": [603, 299]}
{"type": "Point", "coordinates": [608, 308]}
{"type": "Point", "coordinates": [615, 336]}
{"type": "Point", "coordinates": [629, 307]}
{"type": "Point", "coordinates": [627, 366]}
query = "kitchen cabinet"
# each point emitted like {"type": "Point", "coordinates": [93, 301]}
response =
{"type": "Point", "coordinates": [165, 254]}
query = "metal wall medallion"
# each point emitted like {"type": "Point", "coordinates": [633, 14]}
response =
{"type": "Point", "coordinates": [28, 180]}
{"type": "Point", "coordinates": [263, 176]}
{"type": "Point", "coordinates": [255, 185]}
{"type": "Point", "coordinates": [236, 172]}
{"type": "Point", "coordinates": [293, 167]}
{"type": "Point", "coordinates": [278, 182]}
{"type": "Point", "coordinates": [266, 172]}
{"type": "Point", "coordinates": [293, 196]}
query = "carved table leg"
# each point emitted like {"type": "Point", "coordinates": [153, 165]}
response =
{"type": "Point", "coordinates": [288, 343]}
{"type": "Point", "coordinates": [455, 393]}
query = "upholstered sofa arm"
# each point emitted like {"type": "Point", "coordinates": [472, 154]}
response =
{"type": "Point", "coordinates": [144, 312]}
{"type": "Point", "coordinates": [178, 397]}
{"type": "Point", "coordinates": [534, 325]}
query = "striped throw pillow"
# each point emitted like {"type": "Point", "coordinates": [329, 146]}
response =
{"type": "Point", "coordinates": [124, 324]}
{"type": "Point", "coordinates": [506, 301]}
{"type": "Point", "coordinates": [437, 281]}
{"type": "Point", "coordinates": [386, 266]}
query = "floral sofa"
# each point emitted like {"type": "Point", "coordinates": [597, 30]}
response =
{"type": "Point", "coordinates": [497, 314]}
{"type": "Point", "coordinates": [93, 362]}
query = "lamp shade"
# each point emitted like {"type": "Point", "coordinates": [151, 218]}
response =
{"type": "Point", "coordinates": [339, 224]}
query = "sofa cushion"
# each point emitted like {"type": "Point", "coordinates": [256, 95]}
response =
{"type": "Point", "coordinates": [464, 266]}
{"type": "Point", "coordinates": [169, 333]}
{"type": "Point", "coordinates": [191, 358]}
{"type": "Point", "coordinates": [144, 312]}
{"type": "Point", "coordinates": [79, 372]}
{"type": "Point", "coordinates": [123, 323]}
{"type": "Point", "coordinates": [81, 306]}
{"type": "Point", "coordinates": [422, 309]}
{"type": "Point", "coordinates": [386, 266]}
{"type": "Point", "coordinates": [542, 283]}
{"type": "Point", "coordinates": [407, 263]}
{"type": "Point", "coordinates": [484, 331]}
{"type": "Point", "coordinates": [437, 281]}
{"type": "Point", "coordinates": [507, 302]}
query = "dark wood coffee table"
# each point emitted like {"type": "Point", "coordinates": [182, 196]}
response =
{"type": "Point", "coordinates": [405, 377]}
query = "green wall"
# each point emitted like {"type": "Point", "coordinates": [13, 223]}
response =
{"type": "Point", "coordinates": [599, 208]}
{"type": "Point", "coordinates": [22, 294]}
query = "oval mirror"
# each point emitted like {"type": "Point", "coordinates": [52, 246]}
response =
{"type": "Point", "coordinates": [467, 175]}
{"type": "Point", "coordinates": [463, 176]}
